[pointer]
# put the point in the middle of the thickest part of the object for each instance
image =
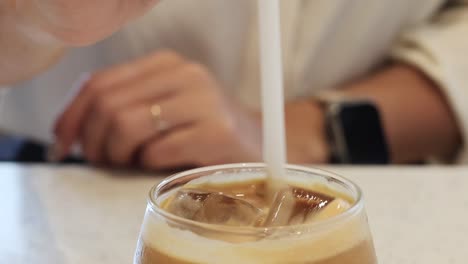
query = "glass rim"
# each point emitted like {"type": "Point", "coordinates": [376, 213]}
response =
{"type": "Point", "coordinates": [250, 230]}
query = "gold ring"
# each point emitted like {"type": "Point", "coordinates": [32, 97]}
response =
{"type": "Point", "coordinates": [156, 114]}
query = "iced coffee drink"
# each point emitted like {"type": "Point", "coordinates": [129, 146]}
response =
{"type": "Point", "coordinates": [223, 215]}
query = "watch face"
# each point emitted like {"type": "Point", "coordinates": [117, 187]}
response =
{"type": "Point", "coordinates": [363, 134]}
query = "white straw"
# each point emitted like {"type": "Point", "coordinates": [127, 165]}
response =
{"type": "Point", "coordinates": [274, 146]}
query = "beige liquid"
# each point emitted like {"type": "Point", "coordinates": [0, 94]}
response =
{"type": "Point", "coordinates": [349, 243]}
{"type": "Point", "coordinates": [361, 254]}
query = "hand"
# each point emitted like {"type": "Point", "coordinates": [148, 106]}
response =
{"type": "Point", "coordinates": [78, 22]}
{"type": "Point", "coordinates": [112, 121]}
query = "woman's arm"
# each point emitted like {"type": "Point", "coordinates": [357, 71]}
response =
{"type": "Point", "coordinates": [422, 96]}
{"type": "Point", "coordinates": [417, 119]}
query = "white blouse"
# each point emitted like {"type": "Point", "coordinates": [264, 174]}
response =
{"type": "Point", "coordinates": [326, 43]}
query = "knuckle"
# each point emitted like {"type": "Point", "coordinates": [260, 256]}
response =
{"type": "Point", "coordinates": [99, 80]}
{"type": "Point", "coordinates": [105, 78]}
{"type": "Point", "coordinates": [121, 124]}
{"type": "Point", "coordinates": [103, 107]}
{"type": "Point", "coordinates": [168, 56]}
{"type": "Point", "coordinates": [195, 70]}
{"type": "Point", "coordinates": [199, 77]}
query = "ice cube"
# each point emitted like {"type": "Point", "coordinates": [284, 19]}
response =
{"type": "Point", "coordinates": [332, 209]}
{"type": "Point", "coordinates": [187, 203]}
{"type": "Point", "coordinates": [226, 210]}
{"type": "Point", "coordinates": [214, 208]}
{"type": "Point", "coordinates": [282, 209]}
{"type": "Point", "coordinates": [293, 206]}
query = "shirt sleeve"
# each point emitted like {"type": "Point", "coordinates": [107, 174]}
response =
{"type": "Point", "coordinates": [439, 48]}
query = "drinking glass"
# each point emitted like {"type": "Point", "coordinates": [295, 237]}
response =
{"type": "Point", "coordinates": [167, 238]}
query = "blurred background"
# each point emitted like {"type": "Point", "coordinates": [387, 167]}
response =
{"type": "Point", "coordinates": [375, 82]}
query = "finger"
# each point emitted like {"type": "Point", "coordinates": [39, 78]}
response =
{"type": "Point", "coordinates": [124, 96]}
{"type": "Point", "coordinates": [181, 108]}
{"type": "Point", "coordinates": [170, 151]}
{"type": "Point", "coordinates": [66, 128]}
{"type": "Point", "coordinates": [128, 131]}
{"type": "Point", "coordinates": [124, 120]}
{"type": "Point", "coordinates": [152, 88]}
{"type": "Point", "coordinates": [133, 128]}
{"type": "Point", "coordinates": [107, 79]}
{"type": "Point", "coordinates": [92, 137]}
{"type": "Point", "coordinates": [95, 132]}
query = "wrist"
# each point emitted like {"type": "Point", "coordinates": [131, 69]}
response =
{"type": "Point", "coordinates": [306, 134]}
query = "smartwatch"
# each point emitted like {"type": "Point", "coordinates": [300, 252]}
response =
{"type": "Point", "coordinates": [354, 130]}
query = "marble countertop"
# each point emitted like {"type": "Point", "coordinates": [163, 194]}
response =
{"type": "Point", "coordinates": [71, 215]}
